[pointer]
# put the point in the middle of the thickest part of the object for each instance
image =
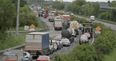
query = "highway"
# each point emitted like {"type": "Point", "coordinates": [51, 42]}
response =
{"type": "Point", "coordinates": [54, 33]}
{"type": "Point", "coordinates": [111, 26]}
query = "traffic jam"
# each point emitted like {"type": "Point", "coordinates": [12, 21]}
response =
{"type": "Point", "coordinates": [39, 45]}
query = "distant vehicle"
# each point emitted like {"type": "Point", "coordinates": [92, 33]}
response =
{"type": "Point", "coordinates": [66, 24]}
{"type": "Point", "coordinates": [51, 17]}
{"type": "Point", "coordinates": [11, 58]}
{"type": "Point", "coordinates": [58, 41]}
{"type": "Point", "coordinates": [43, 58]}
{"type": "Point", "coordinates": [66, 17]}
{"type": "Point", "coordinates": [12, 55]}
{"type": "Point", "coordinates": [37, 43]}
{"type": "Point", "coordinates": [57, 23]}
{"type": "Point", "coordinates": [26, 57]}
{"type": "Point", "coordinates": [40, 14]}
{"type": "Point", "coordinates": [54, 12]}
{"type": "Point", "coordinates": [53, 45]}
{"type": "Point", "coordinates": [46, 14]}
{"type": "Point", "coordinates": [65, 42]}
{"type": "Point", "coordinates": [84, 38]}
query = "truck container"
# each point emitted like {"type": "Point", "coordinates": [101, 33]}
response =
{"type": "Point", "coordinates": [37, 43]}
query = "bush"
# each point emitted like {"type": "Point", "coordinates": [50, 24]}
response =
{"type": "Point", "coordinates": [27, 17]}
{"type": "Point", "coordinates": [105, 15]}
{"type": "Point", "coordinates": [83, 52]}
{"type": "Point", "coordinates": [106, 41]}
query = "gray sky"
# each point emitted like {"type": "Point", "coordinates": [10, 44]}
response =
{"type": "Point", "coordinates": [92, 0]}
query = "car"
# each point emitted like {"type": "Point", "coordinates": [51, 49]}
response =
{"type": "Point", "coordinates": [43, 58]}
{"type": "Point", "coordinates": [58, 41]}
{"type": "Point", "coordinates": [26, 57]}
{"type": "Point", "coordinates": [65, 42]}
{"type": "Point", "coordinates": [51, 17]}
{"type": "Point", "coordinates": [53, 45]}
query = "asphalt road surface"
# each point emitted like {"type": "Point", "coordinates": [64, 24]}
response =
{"type": "Point", "coordinates": [111, 26]}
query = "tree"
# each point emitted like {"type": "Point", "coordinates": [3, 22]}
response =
{"type": "Point", "coordinates": [27, 17]}
{"type": "Point", "coordinates": [7, 14]}
{"type": "Point", "coordinates": [58, 5]}
{"type": "Point", "coordinates": [22, 2]}
{"type": "Point", "coordinates": [113, 4]}
{"type": "Point", "coordinates": [89, 9]}
{"type": "Point", "coordinates": [79, 2]}
{"type": "Point", "coordinates": [75, 6]}
{"type": "Point", "coordinates": [105, 15]}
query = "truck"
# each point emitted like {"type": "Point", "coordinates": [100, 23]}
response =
{"type": "Point", "coordinates": [66, 17]}
{"type": "Point", "coordinates": [57, 23]}
{"type": "Point", "coordinates": [37, 43]}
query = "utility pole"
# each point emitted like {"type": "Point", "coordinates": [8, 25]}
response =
{"type": "Point", "coordinates": [17, 20]}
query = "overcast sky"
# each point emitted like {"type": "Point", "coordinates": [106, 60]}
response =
{"type": "Point", "coordinates": [92, 0]}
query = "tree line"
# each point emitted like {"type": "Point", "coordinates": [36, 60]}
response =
{"type": "Point", "coordinates": [8, 12]}
{"type": "Point", "coordinates": [81, 7]}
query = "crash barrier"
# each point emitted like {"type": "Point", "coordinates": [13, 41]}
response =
{"type": "Point", "coordinates": [16, 47]}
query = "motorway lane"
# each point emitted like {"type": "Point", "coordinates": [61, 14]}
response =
{"type": "Point", "coordinates": [51, 30]}
{"type": "Point", "coordinates": [111, 26]}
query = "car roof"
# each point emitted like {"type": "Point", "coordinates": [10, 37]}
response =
{"type": "Point", "coordinates": [43, 58]}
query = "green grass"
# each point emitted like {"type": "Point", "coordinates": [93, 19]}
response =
{"type": "Point", "coordinates": [111, 56]}
{"type": "Point", "coordinates": [11, 41]}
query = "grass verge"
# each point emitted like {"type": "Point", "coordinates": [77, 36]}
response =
{"type": "Point", "coordinates": [111, 56]}
{"type": "Point", "coordinates": [11, 41]}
